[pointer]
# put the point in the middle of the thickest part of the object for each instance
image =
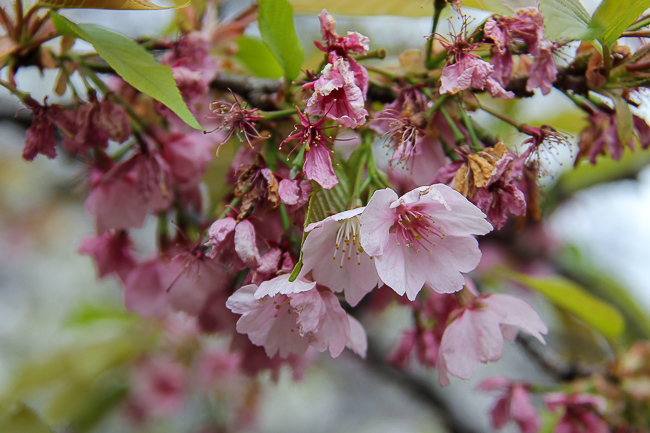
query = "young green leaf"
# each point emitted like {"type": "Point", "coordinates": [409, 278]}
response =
{"type": "Point", "coordinates": [279, 34]}
{"type": "Point", "coordinates": [574, 299]}
{"type": "Point", "coordinates": [131, 62]}
{"type": "Point", "coordinates": [613, 16]}
{"type": "Point", "coordinates": [106, 4]}
{"type": "Point", "coordinates": [253, 54]}
{"type": "Point", "coordinates": [565, 19]}
{"type": "Point", "coordinates": [403, 8]}
{"type": "Point", "coordinates": [624, 126]}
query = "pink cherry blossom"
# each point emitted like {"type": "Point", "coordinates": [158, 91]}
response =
{"type": "Point", "coordinates": [338, 95]}
{"type": "Point", "coordinates": [187, 155]}
{"type": "Point", "coordinates": [333, 254]}
{"type": "Point", "coordinates": [469, 71]}
{"type": "Point", "coordinates": [318, 161]}
{"type": "Point", "coordinates": [293, 192]}
{"type": "Point", "coordinates": [477, 333]}
{"type": "Point", "coordinates": [40, 135]}
{"type": "Point", "coordinates": [287, 317]}
{"type": "Point", "coordinates": [112, 253]}
{"type": "Point", "coordinates": [123, 197]}
{"type": "Point", "coordinates": [341, 45]}
{"type": "Point", "coordinates": [145, 291]}
{"type": "Point", "coordinates": [513, 405]}
{"type": "Point", "coordinates": [158, 388]}
{"type": "Point", "coordinates": [425, 236]}
{"type": "Point", "coordinates": [581, 412]}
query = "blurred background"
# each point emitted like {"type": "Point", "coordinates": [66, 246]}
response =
{"type": "Point", "coordinates": [57, 319]}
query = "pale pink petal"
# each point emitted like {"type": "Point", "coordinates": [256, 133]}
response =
{"type": "Point", "coordinates": [310, 308]}
{"type": "Point", "coordinates": [523, 411]}
{"type": "Point", "coordinates": [289, 191]}
{"type": "Point", "coordinates": [245, 243]}
{"type": "Point", "coordinates": [335, 327]}
{"type": "Point", "coordinates": [318, 166]}
{"type": "Point", "coordinates": [495, 383]}
{"type": "Point", "coordinates": [358, 339]}
{"type": "Point", "coordinates": [473, 337]}
{"type": "Point", "coordinates": [516, 313]}
{"type": "Point", "coordinates": [280, 285]}
{"type": "Point", "coordinates": [500, 413]}
{"type": "Point", "coordinates": [376, 222]}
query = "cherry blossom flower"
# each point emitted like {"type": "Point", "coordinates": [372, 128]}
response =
{"type": "Point", "coordinates": [145, 291]}
{"type": "Point", "coordinates": [338, 95]}
{"type": "Point", "coordinates": [478, 331]}
{"type": "Point", "coordinates": [513, 405]}
{"type": "Point", "coordinates": [287, 317]}
{"type": "Point", "coordinates": [112, 253]}
{"type": "Point", "coordinates": [293, 192]}
{"type": "Point", "coordinates": [318, 162]}
{"type": "Point", "coordinates": [236, 119]}
{"type": "Point", "coordinates": [341, 45]}
{"type": "Point", "coordinates": [470, 71]}
{"type": "Point", "coordinates": [334, 255]}
{"type": "Point", "coordinates": [123, 197]}
{"type": "Point", "coordinates": [581, 412]}
{"type": "Point", "coordinates": [187, 155]}
{"type": "Point", "coordinates": [425, 236]}
{"type": "Point", "coordinates": [40, 135]}
{"type": "Point", "coordinates": [527, 27]}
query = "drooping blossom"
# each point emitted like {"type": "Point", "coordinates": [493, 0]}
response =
{"type": "Point", "coordinates": [287, 317]}
{"type": "Point", "coordinates": [581, 412]}
{"type": "Point", "coordinates": [341, 45]}
{"type": "Point", "coordinates": [318, 160]}
{"type": "Point", "coordinates": [333, 253]}
{"type": "Point", "coordinates": [469, 71]}
{"type": "Point", "coordinates": [294, 192]}
{"type": "Point", "coordinates": [227, 236]}
{"type": "Point", "coordinates": [40, 135]}
{"type": "Point", "coordinates": [236, 119]}
{"type": "Point", "coordinates": [112, 253]}
{"type": "Point", "coordinates": [423, 340]}
{"type": "Point", "coordinates": [489, 179]}
{"type": "Point", "coordinates": [123, 197]}
{"type": "Point", "coordinates": [93, 124]}
{"type": "Point", "coordinates": [477, 333]}
{"type": "Point", "coordinates": [425, 236]}
{"type": "Point", "coordinates": [512, 405]}
{"type": "Point", "coordinates": [402, 123]}
{"type": "Point", "coordinates": [508, 33]}
{"type": "Point", "coordinates": [338, 95]}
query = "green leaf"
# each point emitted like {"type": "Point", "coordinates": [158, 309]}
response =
{"type": "Point", "coordinates": [255, 56]}
{"type": "Point", "coordinates": [565, 19]}
{"type": "Point", "coordinates": [279, 34]}
{"type": "Point", "coordinates": [106, 4]}
{"type": "Point", "coordinates": [613, 16]}
{"type": "Point", "coordinates": [22, 419]}
{"type": "Point", "coordinates": [574, 299]}
{"type": "Point", "coordinates": [131, 62]}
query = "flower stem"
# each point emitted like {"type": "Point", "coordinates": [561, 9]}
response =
{"type": "Point", "coordinates": [459, 137]}
{"type": "Point", "coordinates": [476, 144]}
{"type": "Point", "coordinates": [438, 6]}
{"type": "Point", "coordinates": [496, 114]}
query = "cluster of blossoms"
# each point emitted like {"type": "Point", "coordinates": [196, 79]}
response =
{"type": "Point", "coordinates": [282, 254]}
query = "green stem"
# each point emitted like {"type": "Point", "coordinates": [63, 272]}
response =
{"type": "Point", "coordinates": [272, 115]}
{"type": "Point", "coordinates": [476, 145]}
{"type": "Point", "coordinates": [381, 72]}
{"type": "Point", "coordinates": [23, 96]}
{"type": "Point", "coordinates": [379, 53]}
{"type": "Point", "coordinates": [286, 222]}
{"type": "Point", "coordinates": [438, 6]}
{"type": "Point", "coordinates": [496, 114]}
{"type": "Point", "coordinates": [459, 137]}
{"type": "Point", "coordinates": [644, 21]}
